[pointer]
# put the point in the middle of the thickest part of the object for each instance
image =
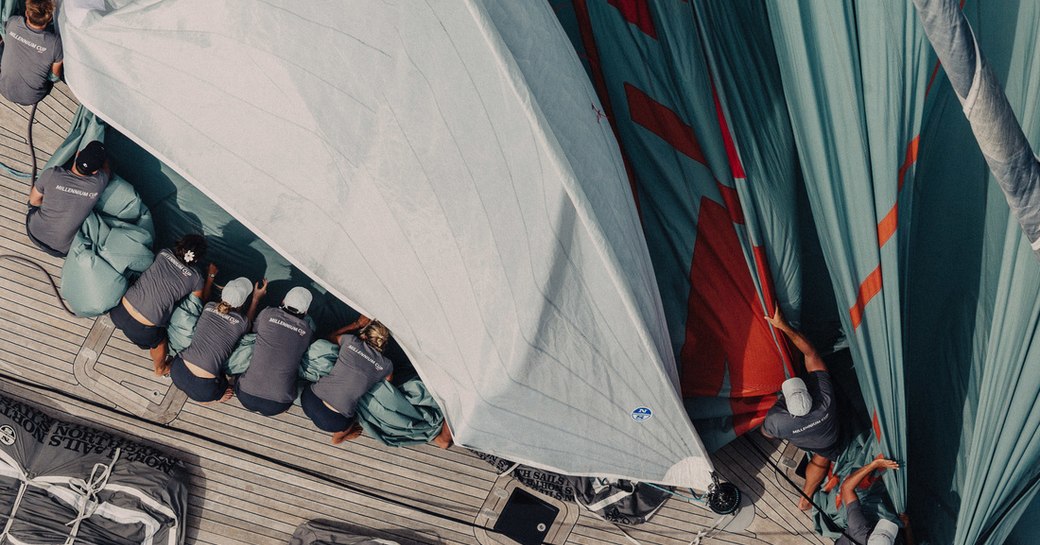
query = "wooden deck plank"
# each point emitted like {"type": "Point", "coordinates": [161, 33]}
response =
{"type": "Point", "coordinates": [298, 427]}
{"type": "Point", "coordinates": [18, 345]}
{"type": "Point", "coordinates": [12, 299]}
{"type": "Point", "coordinates": [396, 480]}
{"type": "Point", "coordinates": [267, 482]}
{"type": "Point", "coordinates": [304, 442]}
{"type": "Point", "coordinates": [15, 241]}
{"type": "Point", "coordinates": [137, 373]}
{"type": "Point", "coordinates": [35, 326]}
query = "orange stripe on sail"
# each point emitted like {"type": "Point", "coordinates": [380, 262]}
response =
{"type": "Point", "coordinates": [887, 227]}
{"type": "Point", "coordinates": [909, 160]}
{"type": "Point", "coordinates": [867, 290]}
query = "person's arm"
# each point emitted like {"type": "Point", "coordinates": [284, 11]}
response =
{"type": "Point", "coordinates": [259, 291]}
{"type": "Point", "coordinates": [848, 488]}
{"type": "Point", "coordinates": [361, 322]}
{"type": "Point", "coordinates": [813, 361]}
{"type": "Point", "coordinates": [106, 168]}
{"type": "Point", "coordinates": [35, 197]}
{"type": "Point", "coordinates": [56, 69]}
{"type": "Point", "coordinates": [207, 287]}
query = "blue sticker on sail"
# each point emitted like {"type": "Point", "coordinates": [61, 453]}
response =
{"type": "Point", "coordinates": [641, 414]}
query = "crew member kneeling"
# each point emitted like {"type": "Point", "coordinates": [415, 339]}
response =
{"type": "Point", "coordinates": [331, 402]}
{"type": "Point", "coordinates": [198, 370]}
{"type": "Point", "coordinates": [61, 199]}
{"type": "Point", "coordinates": [282, 336]}
{"type": "Point", "coordinates": [144, 312]}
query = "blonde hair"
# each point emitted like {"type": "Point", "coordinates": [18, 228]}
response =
{"type": "Point", "coordinates": [224, 308]}
{"type": "Point", "coordinates": [376, 335]}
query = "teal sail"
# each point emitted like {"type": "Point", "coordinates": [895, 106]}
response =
{"type": "Point", "coordinates": [846, 101]}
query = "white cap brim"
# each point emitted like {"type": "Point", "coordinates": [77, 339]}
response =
{"type": "Point", "coordinates": [298, 299]}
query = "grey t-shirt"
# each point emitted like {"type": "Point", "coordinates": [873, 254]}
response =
{"type": "Point", "coordinates": [281, 340]}
{"type": "Point", "coordinates": [859, 527]}
{"type": "Point", "coordinates": [26, 64]}
{"type": "Point", "coordinates": [67, 201]}
{"type": "Point", "coordinates": [358, 368]}
{"type": "Point", "coordinates": [162, 286]}
{"type": "Point", "coordinates": [816, 431]}
{"type": "Point", "coordinates": [215, 338]}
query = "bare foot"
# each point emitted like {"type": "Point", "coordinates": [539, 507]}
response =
{"type": "Point", "coordinates": [443, 439]}
{"type": "Point", "coordinates": [347, 435]}
{"type": "Point", "coordinates": [804, 504]}
{"type": "Point", "coordinates": [159, 363]}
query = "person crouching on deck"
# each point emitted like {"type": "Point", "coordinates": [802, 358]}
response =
{"type": "Point", "coordinates": [282, 336]}
{"type": "Point", "coordinates": [32, 52]}
{"type": "Point", "coordinates": [331, 402]}
{"type": "Point", "coordinates": [144, 312]}
{"type": "Point", "coordinates": [806, 413]}
{"type": "Point", "coordinates": [198, 369]}
{"type": "Point", "coordinates": [61, 199]}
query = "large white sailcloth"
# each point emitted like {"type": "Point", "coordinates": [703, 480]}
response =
{"type": "Point", "coordinates": [443, 166]}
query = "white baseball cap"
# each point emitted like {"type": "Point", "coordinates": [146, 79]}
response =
{"type": "Point", "coordinates": [884, 533]}
{"type": "Point", "coordinates": [237, 291]}
{"type": "Point", "coordinates": [796, 396]}
{"type": "Point", "coordinates": [298, 299]}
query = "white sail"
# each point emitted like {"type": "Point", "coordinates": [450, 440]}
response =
{"type": "Point", "coordinates": [442, 166]}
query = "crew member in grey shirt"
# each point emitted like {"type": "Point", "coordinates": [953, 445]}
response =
{"type": "Point", "coordinates": [282, 336]}
{"type": "Point", "coordinates": [198, 370]}
{"type": "Point", "coordinates": [62, 198]}
{"type": "Point", "coordinates": [144, 312]}
{"type": "Point", "coordinates": [32, 52]}
{"type": "Point", "coordinates": [331, 401]}
{"type": "Point", "coordinates": [860, 531]}
{"type": "Point", "coordinates": [806, 413]}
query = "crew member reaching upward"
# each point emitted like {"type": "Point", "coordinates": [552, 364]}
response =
{"type": "Point", "coordinates": [198, 370]}
{"type": "Point", "coordinates": [282, 336]}
{"type": "Point", "coordinates": [860, 530]}
{"type": "Point", "coordinates": [806, 413]}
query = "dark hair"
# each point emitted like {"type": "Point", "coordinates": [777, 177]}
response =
{"type": "Point", "coordinates": [194, 243]}
{"type": "Point", "coordinates": [293, 311]}
{"type": "Point", "coordinates": [39, 12]}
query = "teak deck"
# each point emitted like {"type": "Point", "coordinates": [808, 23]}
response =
{"type": "Point", "coordinates": [254, 479]}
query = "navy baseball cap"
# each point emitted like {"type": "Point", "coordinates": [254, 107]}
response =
{"type": "Point", "coordinates": [323, 417]}
{"type": "Point", "coordinates": [90, 158]}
